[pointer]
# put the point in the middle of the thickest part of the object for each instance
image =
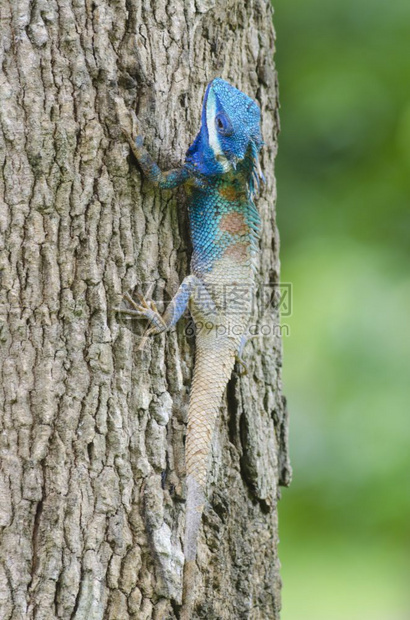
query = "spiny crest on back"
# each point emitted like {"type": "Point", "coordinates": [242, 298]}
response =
{"type": "Point", "coordinates": [230, 133]}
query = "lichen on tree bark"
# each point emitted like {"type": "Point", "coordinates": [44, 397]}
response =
{"type": "Point", "coordinates": [92, 429]}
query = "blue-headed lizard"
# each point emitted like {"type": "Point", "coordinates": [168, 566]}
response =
{"type": "Point", "coordinates": [220, 172]}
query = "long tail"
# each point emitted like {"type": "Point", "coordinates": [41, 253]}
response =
{"type": "Point", "coordinates": [213, 368]}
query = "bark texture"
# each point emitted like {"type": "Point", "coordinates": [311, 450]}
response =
{"type": "Point", "coordinates": [92, 430]}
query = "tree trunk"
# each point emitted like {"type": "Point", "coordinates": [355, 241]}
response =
{"type": "Point", "coordinates": [92, 479]}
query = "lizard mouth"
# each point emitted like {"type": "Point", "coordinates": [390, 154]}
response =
{"type": "Point", "coordinates": [225, 162]}
{"type": "Point", "coordinates": [233, 160]}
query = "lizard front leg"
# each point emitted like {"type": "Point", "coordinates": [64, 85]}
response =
{"type": "Point", "coordinates": [164, 180]}
{"type": "Point", "coordinates": [130, 127]}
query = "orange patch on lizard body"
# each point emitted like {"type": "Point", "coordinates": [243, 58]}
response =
{"type": "Point", "coordinates": [233, 223]}
{"type": "Point", "coordinates": [238, 252]}
{"type": "Point", "coordinates": [231, 193]}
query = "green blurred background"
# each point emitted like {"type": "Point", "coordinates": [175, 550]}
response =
{"type": "Point", "coordinates": [343, 173]}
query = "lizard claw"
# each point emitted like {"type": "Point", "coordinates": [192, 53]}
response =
{"type": "Point", "coordinates": [153, 306]}
{"type": "Point", "coordinates": [134, 122]}
{"type": "Point", "coordinates": [245, 370]}
{"type": "Point", "coordinates": [143, 309]}
{"type": "Point", "coordinates": [127, 120]}
{"type": "Point", "coordinates": [129, 312]}
{"type": "Point", "coordinates": [131, 131]}
{"type": "Point", "coordinates": [149, 332]}
{"type": "Point", "coordinates": [245, 338]}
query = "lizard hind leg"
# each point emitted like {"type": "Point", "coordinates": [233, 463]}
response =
{"type": "Point", "coordinates": [143, 309]}
{"type": "Point", "coordinates": [146, 309]}
{"type": "Point", "coordinates": [239, 355]}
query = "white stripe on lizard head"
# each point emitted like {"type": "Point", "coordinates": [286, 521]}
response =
{"type": "Point", "coordinates": [213, 134]}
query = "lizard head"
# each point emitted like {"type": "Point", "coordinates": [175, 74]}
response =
{"type": "Point", "coordinates": [230, 131]}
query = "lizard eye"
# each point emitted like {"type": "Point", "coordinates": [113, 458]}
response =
{"type": "Point", "coordinates": [223, 124]}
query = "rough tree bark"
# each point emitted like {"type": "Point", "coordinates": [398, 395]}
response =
{"type": "Point", "coordinates": [92, 430]}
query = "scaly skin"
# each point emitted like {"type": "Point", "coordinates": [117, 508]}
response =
{"type": "Point", "coordinates": [220, 170]}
